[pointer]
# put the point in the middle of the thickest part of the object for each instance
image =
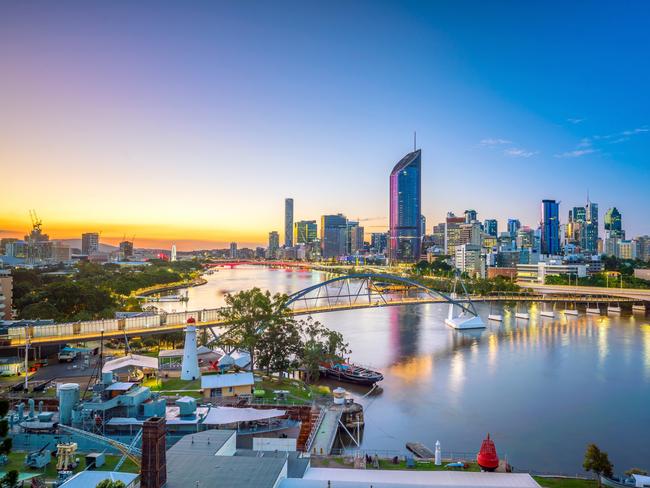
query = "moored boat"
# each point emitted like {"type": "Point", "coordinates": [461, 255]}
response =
{"type": "Point", "coordinates": [634, 480]}
{"type": "Point", "coordinates": [351, 373]}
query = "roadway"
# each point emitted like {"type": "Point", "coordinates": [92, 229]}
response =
{"type": "Point", "coordinates": [630, 293]}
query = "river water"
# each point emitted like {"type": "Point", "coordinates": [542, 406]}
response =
{"type": "Point", "coordinates": [543, 388]}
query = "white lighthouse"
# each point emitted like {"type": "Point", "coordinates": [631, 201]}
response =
{"type": "Point", "coordinates": [190, 367]}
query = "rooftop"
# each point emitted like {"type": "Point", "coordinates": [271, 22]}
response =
{"type": "Point", "coordinates": [93, 478]}
{"type": "Point", "coordinates": [227, 380]}
{"type": "Point", "coordinates": [129, 361]}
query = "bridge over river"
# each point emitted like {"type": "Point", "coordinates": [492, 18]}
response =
{"type": "Point", "coordinates": [348, 292]}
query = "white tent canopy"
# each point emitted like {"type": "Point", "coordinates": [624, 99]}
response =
{"type": "Point", "coordinates": [231, 415]}
{"type": "Point", "coordinates": [130, 360]}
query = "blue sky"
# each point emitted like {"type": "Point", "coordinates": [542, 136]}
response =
{"type": "Point", "coordinates": [231, 106]}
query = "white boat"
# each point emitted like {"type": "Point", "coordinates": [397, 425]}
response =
{"type": "Point", "coordinates": [570, 311]}
{"type": "Point", "coordinates": [547, 313]}
{"type": "Point", "coordinates": [614, 310]}
{"type": "Point", "coordinates": [522, 315]}
{"type": "Point", "coordinates": [495, 317]}
{"type": "Point", "coordinates": [638, 308]}
{"type": "Point", "coordinates": [593, 310]}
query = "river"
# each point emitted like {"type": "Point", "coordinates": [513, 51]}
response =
{"type": "Point", "coordinates": [543, 388]}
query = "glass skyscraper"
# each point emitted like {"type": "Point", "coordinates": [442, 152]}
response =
{"type": "Point", "coordinates": [590, 243]}
{"type": "Point", "coordinates": [333, 235]}
{"type": "Point", "coordinates": [550, 225]}
{"type": "Point", "coordinates": [406, 209]}
{"type": "Point", "coordinates": [288, 222]}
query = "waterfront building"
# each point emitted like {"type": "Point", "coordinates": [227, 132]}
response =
{"type": "Point", "coordinates": [6, 294]}
{"type": "Point", "coordinates": [356, 239]}
{"type": "Point", "coordinates": [550, 224]}
{"type": "Point", "coordinates": [452, 233]}
{"type": "Point", "coordinates": [537, 273]}
{"type": "Point", "coordinates": [379, 242]}
{"type": "Point", "coordinates": [470, 216]}
{"type": "Point", "coordinates": [126, 250]}
{"type": "Point", "coordinates": [643, 248]}
{"type": "Point", "coordinates": [405, 209]}
{"type": "Point", "coordinates": [491, 227]}
{"type": "Point", "coordinates": [90, 243]}
{"type": "Point", "coordinates": [233, 250]}
{"type": "Point", "coordinates": [274, 244]}
{"type": "Point", "coordinates": [333, 235]}
{"type": "Point", "coordinates": [590, 235]}
{"type": "Point", "coordinates": [513, 227]}
{"type": "Point", "coordinates": [468, 260]}
{"type": "Point", "coordinates": [305, 231]}
{"type": "Point", "coordinates": [228, 385]}
{"type": "Point", "coordinates": [288, 222]}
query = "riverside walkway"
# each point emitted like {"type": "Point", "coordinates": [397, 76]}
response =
{"type": "Point", "coordinates": [327, 430]}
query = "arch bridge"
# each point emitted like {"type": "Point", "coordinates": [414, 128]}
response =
{"type": "Point", "coordinates": [345, 292]}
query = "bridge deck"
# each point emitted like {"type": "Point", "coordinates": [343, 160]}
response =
{"type": "Point", "coordinates": [95, 330]}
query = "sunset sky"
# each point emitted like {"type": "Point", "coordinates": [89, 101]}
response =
{"type": "Point", "coordinates": [190, 122]}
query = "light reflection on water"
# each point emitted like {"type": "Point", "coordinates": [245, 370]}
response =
{"type": "Point", "coordinates": [544, 388]}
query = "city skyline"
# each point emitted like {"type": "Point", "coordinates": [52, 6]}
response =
{"type": "Point", "coordinates": [503, 124]}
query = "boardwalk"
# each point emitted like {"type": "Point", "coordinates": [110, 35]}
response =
{"type": "Point", "coordinates": [326, 434]}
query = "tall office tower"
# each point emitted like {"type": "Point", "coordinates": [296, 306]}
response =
{"type": "Point", "coordinates": [513, 226]}
{"type": "Point", "coordinates": [356, 239]}
{"type": "Point", "coordinates": [173, 253]}
{"type": "Point", "coordinates": [274, 244]}
{"type": "Point", "coordinates": [333, 235]}
{"type": "Point", "coordinates": [452, 233]}
{"type": "Point", "coordinates": [590, 235]}
{"type": "Point", "coordinates": [491, 227]}
{"type": "Point", "coordinates": [643, 248]}
{"type": "Point", "coordinates": [406, 208]}
{"type": "Point", "coordinates": [423, 225]}
{"type": "Point", "coordinates": [89, 243]}
{"type": "Point", "coordinates": [525, 238]}
{"type": "Point", "coordinates": [379, 242]}
{"type": "Point", "coordinates": [550, 224]}
{"type": "Point", "coordinates": [233, 250]}
{"type": "Point", "coordinates": [288, 222]}
{"type": "Point", "coordinates": [305, 231]}
{"type": "Point", "coordinates": [126, 250]}
{"type": "Point", "coordinates": [438, 237]}
{"type": "Point", "coordinates": [348, 236]}
{"type": "Point", "coordinates": [614, 223]}
{"type": "Point", "coordinates": [470, 216]}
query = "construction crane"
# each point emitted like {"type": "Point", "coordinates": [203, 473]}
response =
{"type": "Point", "coordinates": [37, 223]}
{"type": "Point", "coordinates": [130, 451]}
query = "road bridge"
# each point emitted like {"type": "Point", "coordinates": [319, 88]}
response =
{"type": "Point", "coordinates": [345, 292]}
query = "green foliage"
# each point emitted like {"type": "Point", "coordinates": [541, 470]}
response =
{"type": "Point", "coordinates": [4, 407]}
{"type": "Point", "coordinates": [6, 445]}
{"type": "Point", "coordinates": [107, 483]}
{"type": "Point", "coordinates": [9, 480]}
{"type": "Point", "coordinates": [439, 266]}
{"type": "Point", "coordinates": [597, 461]}
{"type": "Point", "coordinates": [4, 427]}
{"type": "Point", "coordinates": [319, 345]}
{"type": "Point", "coordinates": [601, 280]}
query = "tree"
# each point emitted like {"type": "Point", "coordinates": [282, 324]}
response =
{"type": "Point", "coordinates": [320, 345]}
{"type": "Point", "coordinates": [249, 312]}
{"type": "Point", "coordinates": [107, 483]}
{"type": "Point", "coordinates": [598, 462]}
{"type": "Point", "coordinates": [279, 345]}
{"type": "Point", "coordinates": [9, 480]}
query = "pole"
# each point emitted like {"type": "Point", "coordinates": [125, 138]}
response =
{"type": "Point", "coordinates": [26, 359]}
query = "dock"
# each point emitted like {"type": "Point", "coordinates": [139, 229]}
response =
{"type": "Point", "coordinates": [420, 450]}
{"type": "Point", "coordinates": [326, 430]}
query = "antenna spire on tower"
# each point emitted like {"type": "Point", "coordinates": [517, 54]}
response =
{"type": "Point", "coordinates": [415, 139]}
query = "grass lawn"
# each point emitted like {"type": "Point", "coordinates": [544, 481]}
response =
{"type": "Point", "coordinates": [298, 390]}
{"type": "Point", "coordinates": [17, 462]}
{"type": "Point", "coordinates": [565, 482]}
{"type": "Point", "coordinates": [423, 466]}
{"type": "Point", "coordinates": [172, 384]}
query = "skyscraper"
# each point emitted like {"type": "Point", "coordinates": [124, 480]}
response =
{"type": "Point", "coordinates": [126, 250]}
{"type": "Point", "coordinates": [89, 243]}
{"type": "Point", "coordinates": [513, 226]}
{"type": "Point", "coordinates": [379, 242]}
{"type": "Point", "coordinates": [333, 235]}
{"type": "Point", "coordinates": [288, 222]}
{"type": "Point", "coordinates": [470, 216]}
{"type": "Point", "coordinates": [550, 224]}
{"type": "Point", "coordinates": [233, 250]}
{"type": "Point", "coordinates": [304, 231]}
{"type": "Point", "coordinates": [274, 244]}
{"type": "Point", "coordinates": [614, 223]}
{"type": "Point", "coordinates": [491, 227]}
{"type": "Point", "coordinates": [590, 235]}
{"type": "Point", "coordinates": [406, 208]}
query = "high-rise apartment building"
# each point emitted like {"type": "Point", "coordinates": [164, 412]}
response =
{"type": "Point", "coordinates": [274, 244]}
{"type": "Point", "coordinates": [333, 235]}
{"type": "Point", "coordinates": [356, 239]}
{"type": "Point", "coordinates": [590, 234]}
{"type": "Point", "coordinates": [453, 233]}
{"type": "Point", "coordinates": [406, 208]}
{"type": "Point", "coordinates": [643, 248]}
{"type": "Point", "coordinates": [491, 227]}
{"type": "Point", "coordinates": [470, 216]}
{"type": "Point", "coordinates": [233, 250]}
{"type": "Point", "coordinates": [550, 225]}
{"type": "Point", "coordinates": [288, 222]}
{"type": "Point", "coordinates": [90, 243]}
{"type": "Point", "coordinates": [379, 242]}
{"type": "Point", "coordinates": [305, 231]}
{"type": "Point", "coordinates": [423, 225]}
{"type": "Point", "coordinates": [513, 226]}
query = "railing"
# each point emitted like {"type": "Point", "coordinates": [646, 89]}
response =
{"type": "Point", "coordinates": [314, 430]}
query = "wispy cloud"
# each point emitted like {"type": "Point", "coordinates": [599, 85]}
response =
{"type": "Point", "coordinates": [517, 152]}
{"type": "Point", "coordinates": [575, 120]}
{"type": "Point", "coordinates": [494, 142]}
{"type": "Point", "coordinates": [576, 153]}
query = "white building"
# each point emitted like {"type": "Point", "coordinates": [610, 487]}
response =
{"type": "Point", "coordinates": [468, 259]}
{"type": "Point", "coordinates": [537, 273]}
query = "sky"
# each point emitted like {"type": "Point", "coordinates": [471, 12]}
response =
{"type": "Point", "coordinates": [190, 122]}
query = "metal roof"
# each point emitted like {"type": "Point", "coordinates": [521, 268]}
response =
{"type": "Point", "coordinates": [131, 360]}
{"type": "Point", "coordinates": [227, 380]}
{"type": "Point", "coordinates": [87, 479]}
{"type": "Point", "coordinates": [120, 386]}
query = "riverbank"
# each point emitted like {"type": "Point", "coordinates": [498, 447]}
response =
{"type": "Point", "coordinates": [152, 290]}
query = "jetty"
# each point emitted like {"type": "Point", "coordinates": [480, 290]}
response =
{"type": "Point", "coordinates": [326, 429]}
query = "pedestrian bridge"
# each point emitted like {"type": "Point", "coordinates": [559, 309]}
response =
{"type": "Point", "coordinates": [346, 292]}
